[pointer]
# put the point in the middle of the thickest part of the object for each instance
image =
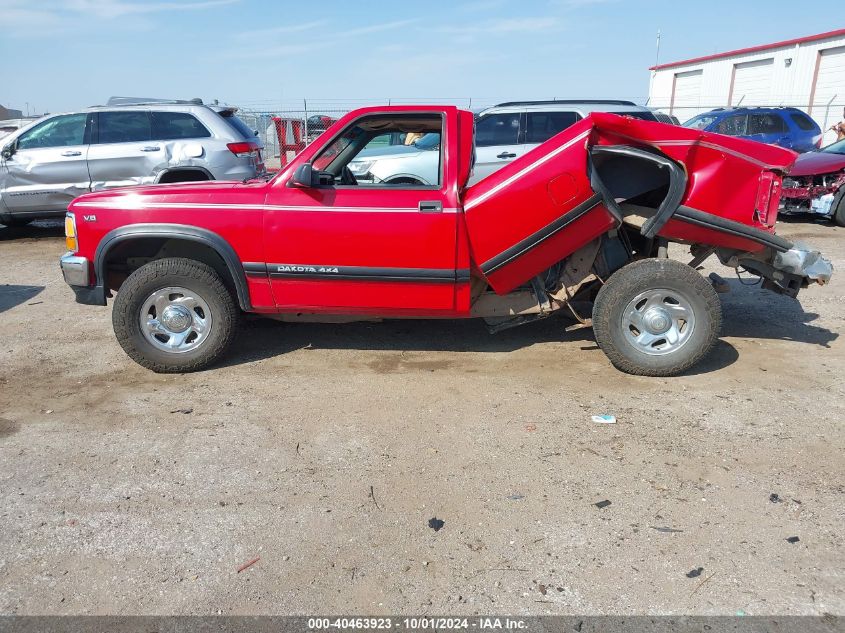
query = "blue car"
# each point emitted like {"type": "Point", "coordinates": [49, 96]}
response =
{"type": "Point", "coordinates": [788, 127]}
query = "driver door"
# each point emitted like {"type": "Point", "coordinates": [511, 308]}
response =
{"type": "Point", "coordinates": [369, 247]}
{"type": "Point", "coordinates": [49, 167]}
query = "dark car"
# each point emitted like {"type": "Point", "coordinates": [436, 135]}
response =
{"type": "Point", "coordinates": [788, 127]}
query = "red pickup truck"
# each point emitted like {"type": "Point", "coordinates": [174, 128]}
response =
{"type": "Point", "coordinates": [581, 224]}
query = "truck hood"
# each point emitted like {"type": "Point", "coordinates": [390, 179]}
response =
{"type": "Point", "coordinates": [815, 163]}
{"type": "Point", "coordinates": [194, 192]}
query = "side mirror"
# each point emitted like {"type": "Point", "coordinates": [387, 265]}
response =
{"type": "Point", "coordinates": [304, 176]}
{"type": "Point", "coordinates": [8, 151]}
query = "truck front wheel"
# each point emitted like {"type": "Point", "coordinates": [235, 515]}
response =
{"type": "Point", "coordinates": [174, 315]}
{"type": "Point", "coordinates": [656, 317]}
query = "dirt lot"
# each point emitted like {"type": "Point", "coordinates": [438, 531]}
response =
{"type": "Point", "coordinates": [325, 450]}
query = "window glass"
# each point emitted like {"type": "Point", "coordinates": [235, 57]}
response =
{"type": "Point", "coordinates": [497, 129]}
{"type": "Point", "coordinates": [732, 125]}
{"type": "Point", "coordinates": [175, 125]}
{"type": "Point", "coordinates": [60, 131]}
{"type": "Point", "coordinates": [700, 122]}
{"type": "Point", "coordinates": [802, 121]}
{"type": "Point", "coordinates": [765, 124]}
{"type": "Point", "coordinates": [124, 127]}
{"type": "Point", "coordinates": [544, 125]}
{"type": "Point", "coordinates": [246, 132]}
{"type": "Point", "coordinates": [385, 151]}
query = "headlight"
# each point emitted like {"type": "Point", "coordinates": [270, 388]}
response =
{"type": "Point", "coordinates": [360, 167]}
{"type": "Point", "coordinates": [70, 233]}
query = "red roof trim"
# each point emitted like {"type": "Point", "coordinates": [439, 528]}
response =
{"type": "Point", "coordinates": [753, 49]}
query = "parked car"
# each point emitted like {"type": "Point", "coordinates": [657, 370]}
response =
{"type": "Point", "coordinates": [45, 165]}
{"type": "Point", "coordinates": [671, 119]}
{"type": "Point", "coordinates": [788, 127]}
{"type": "Point", "coordinates": [503, 133]}
{"type": "Point", "coordinates": [816, 184]}
{"type": "Point", "coordinates": [580, 223]}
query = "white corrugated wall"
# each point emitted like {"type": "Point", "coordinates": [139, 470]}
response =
{"type": "Point", "coordinates": [773, 77]}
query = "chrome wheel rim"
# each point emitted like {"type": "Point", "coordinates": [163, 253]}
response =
{"type": "Point", "coordinates": [175, 320]}
{"type": "Point", "coordinates": [658, 322]}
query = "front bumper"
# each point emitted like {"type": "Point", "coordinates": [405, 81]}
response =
{"type": "Point", "coordinates": [75, 270]}
{"type": "Point", "coordinates": [77, 274]}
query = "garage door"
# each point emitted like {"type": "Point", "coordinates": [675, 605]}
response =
{"type": "Point", "coordinates": [830, 84]}
{"type": "Point", "coordinates": [752, 83]}
{"type": "Point", "coordinates": [686, 95]}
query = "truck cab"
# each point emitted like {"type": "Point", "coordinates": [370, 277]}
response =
{"type": "Point", "coordinates": [580, 223]}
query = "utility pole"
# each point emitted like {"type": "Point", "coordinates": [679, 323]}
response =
{"type": "Point", "coordinates": [657, 55]}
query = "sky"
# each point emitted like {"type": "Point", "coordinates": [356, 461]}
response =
{"type": "Point", "coordinates": [58, 55]}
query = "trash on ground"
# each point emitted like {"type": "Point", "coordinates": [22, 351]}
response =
{"type": "Point", "coordinates": [516, 497]}
{"type": "Point", "coordinates": [665, 530]}
{"type": "Point", "coordinates": [436, 524]}
{"type": "Point", "coordinates": [775, 498]}
{"type": "Point", "coordinates": [248, 564]}
{"type": "Point", "coordinates": [604, 418]}
{"type": "Point", "coordinates": [185, 411]}
{"type": "Point", "coordinates": [602, 504]}
{"type": "Point", "coordinates": [695, 573]}
{"type": "Point", "coordinates": [793, 539]}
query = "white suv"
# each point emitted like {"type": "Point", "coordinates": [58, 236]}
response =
{"type": "Point", "coordinates": [46, 164]}
{"type": "Point", "coordinates": [502, 134]}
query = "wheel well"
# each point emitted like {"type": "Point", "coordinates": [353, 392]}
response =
{"type": "Point", "coordinates": [194, 174]}
{"type": "Point", "coordinates": [129, 255]}
{"type": "Point", "coordinates": [405, 180]}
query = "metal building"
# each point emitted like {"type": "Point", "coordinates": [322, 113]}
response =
{"type": "Point", "coordinates": [806, 72]}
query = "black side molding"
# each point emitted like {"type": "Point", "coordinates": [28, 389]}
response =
{"type": "Point", "coordinates": [174, 231]}
{"type": "Point", "coordinates": [365, 273]}
{"type": "Point", "coordinates": [525, 245]}
{"type": "Point", "coordinates": [710, 221]}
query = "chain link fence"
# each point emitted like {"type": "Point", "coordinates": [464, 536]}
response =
{"type": "Point", "coordinates": [287, 128]}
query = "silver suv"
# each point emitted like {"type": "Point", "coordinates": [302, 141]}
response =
{"type": "Point", "coordinates": [46, 164]}
{"type": "Point", "coordinates": [506, 131]}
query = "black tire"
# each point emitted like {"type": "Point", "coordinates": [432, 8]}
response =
{"type": "Point", "coordinates": [620, 291]}
{"type": "Point", "coordinates": [175, 272]}
{"type": "Point", "coordinates": [839, 213]}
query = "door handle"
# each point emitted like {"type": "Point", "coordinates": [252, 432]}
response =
{"type": "Point", "coordinates": [431, 206]}
{"type": "Point", "coordinates": [71, 153]}
{"type": "Point", "coordinates": [506, 155]}
{"type": "Point", "coordinates": [150, 148]}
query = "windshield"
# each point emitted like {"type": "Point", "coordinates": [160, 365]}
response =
{"type": "Point", "coordinates": [700, 122]}
{"type": "Point", "coordinates": [835, 148]}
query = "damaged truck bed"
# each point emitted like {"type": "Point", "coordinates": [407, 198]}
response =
{"type": "Point", "coordinates": [582, 224]}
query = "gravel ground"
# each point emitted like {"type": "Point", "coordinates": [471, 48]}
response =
{"type": "Point", "coordinates": [324, 451]}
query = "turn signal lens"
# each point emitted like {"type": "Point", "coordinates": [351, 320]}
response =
{"type": "Point", "coordinates": [70, 233]}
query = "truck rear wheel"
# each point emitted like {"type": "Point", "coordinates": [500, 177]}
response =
{"type": "Point", "coordinates": [656, 317]}
{"type": "Point", "coordinates": [175, 315]}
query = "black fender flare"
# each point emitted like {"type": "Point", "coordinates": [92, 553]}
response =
{"type": "Point", "coordinates": [174, 231]}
